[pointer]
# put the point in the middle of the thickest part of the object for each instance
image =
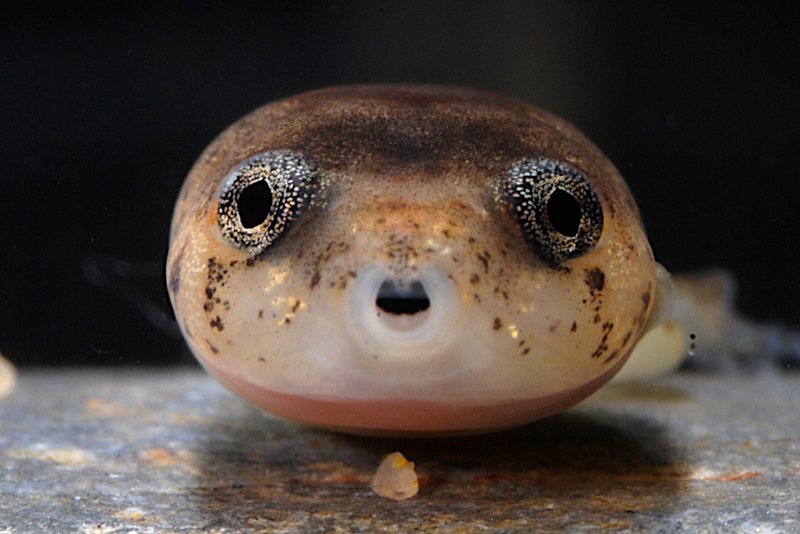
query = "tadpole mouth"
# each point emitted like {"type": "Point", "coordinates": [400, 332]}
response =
{"type": "Point", "coordinates": [399, 297]}
{"type": "Point", "coordinates": [396, 318]}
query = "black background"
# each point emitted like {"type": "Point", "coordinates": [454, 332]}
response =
{"type": "Point", "coordinates": [103, 112]}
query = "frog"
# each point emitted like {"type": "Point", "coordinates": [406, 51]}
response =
{"type": "Point", "coordinates": [415, 260]}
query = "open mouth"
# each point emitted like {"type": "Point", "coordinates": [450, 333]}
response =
{"type": "Point", "coordinates": [402, 298]}
{"type": "Point", "coordinates": [408, 320]}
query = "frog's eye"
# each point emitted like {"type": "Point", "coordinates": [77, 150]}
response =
{"type": "Point", "coordinates": [557, 208]}
{"type": "Point", "coordinates": [262, 196]}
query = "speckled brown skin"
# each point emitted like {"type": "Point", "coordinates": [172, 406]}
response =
{"type": "Point", "coordinates": [411, 177]}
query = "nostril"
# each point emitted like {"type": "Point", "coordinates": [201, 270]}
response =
{"type": "Point", "coordinates": [402, 297]}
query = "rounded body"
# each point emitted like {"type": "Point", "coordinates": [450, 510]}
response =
{"type": "Point", "coordinates": [408, 260]}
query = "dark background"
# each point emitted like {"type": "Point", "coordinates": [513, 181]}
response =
{"type": "Point", "coordinates": [103, 112]}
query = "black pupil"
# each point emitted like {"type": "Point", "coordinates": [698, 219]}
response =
{"type": "Point", "coordinates": [564, 213]}
{"type": "Point", "coordinates": [254, 204]}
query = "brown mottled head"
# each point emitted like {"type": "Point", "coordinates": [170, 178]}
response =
{"type": "Point", "coordinates": [408, 259]}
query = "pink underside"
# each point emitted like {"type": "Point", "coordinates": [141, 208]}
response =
{"type": "Point", "coordinates": [399, 417]}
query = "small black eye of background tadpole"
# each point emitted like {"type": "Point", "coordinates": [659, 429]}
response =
{"type": "Point", "coordinates": [254, 204]}
{"type": "Point", "coordinates": [564, 213]}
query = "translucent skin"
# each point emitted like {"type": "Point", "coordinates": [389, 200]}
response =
{"type": "Point", "coordinates": [411, 178]}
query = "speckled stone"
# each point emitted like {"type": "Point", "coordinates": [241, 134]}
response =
{"type": "Point", "coordinates": [171, 451]}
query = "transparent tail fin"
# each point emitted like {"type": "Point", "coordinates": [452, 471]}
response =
{"type": "Point", "coordinates": [696, 325]}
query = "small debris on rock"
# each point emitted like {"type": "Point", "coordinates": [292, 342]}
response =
{"type": "Point", "coordinates": [395, 478]}
{"type": "Point", "coordinates": [8, 377]}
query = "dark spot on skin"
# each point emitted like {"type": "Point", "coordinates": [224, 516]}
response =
{"type": "Point", "coordinates": [446, 233]}
{"type": "Point", "coordinates": [314, 280]}
{"type": "Point", "coordinates": [521, 342]}
{"type": "Point", "coordinates": [295, 305]}
{"type": "Point", "coordinates": [596, 318]}
{"type": "Point", "coordinates": [600, 350]}
{"type": "Point", "coordinates": [211, 346]}
{"type": "Point", "coordinates": [484, 259]}
{"type": "Point", "coordinates": [595, 279]}
{"type": "Point", "coordinates": [260, 314]}
{"type": "Point", "coordinates": [233, 263]}
{"type": "Point", "coordinates": [553, 328]}
{"type": "Point", "coordinates": [217, 323]}
{"type": "Point", "coordinates": [471, 240]}
{"type": "Point", "coordinates": [646, 296]}
{"type": "Point", "coordinates": [476, 297]}
{"type": "Point", "coordinates": [250, 261]}
{"type": "Point", "coordinates": [474, 279]}
{"type": "Point", "coordinates": [505, 295]}
{"type": "Point", "coordinates": [217, 277]}
{"type": "Point", "coordinates": [287, 320]}
{"type": "Point", "coordinates": [526, 351]}
{"type": "Point", "coordinates": [261, 359]}
{"type": "Point", "coordinates": [611, 357]}
{"type": "Point", "coordinates": [606, 327]}
{"type": "Point", "coordinates": [574, 326]}
{"type": "Point", "coordinates": [175, 279]}
{"type": "Point", "coordinates": [497, 324]}
{"type": "Point", "coordinates": [627, 337]}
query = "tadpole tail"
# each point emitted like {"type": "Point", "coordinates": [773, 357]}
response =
{"type": "Point", "coordinates": [722, 338]}
{"type": "Point", "coordinates": [774, 342]}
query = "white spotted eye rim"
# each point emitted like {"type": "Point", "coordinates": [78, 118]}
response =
{"type": "Point", "coordinates": [557, 208]}
{"type": "Point", "coordinates": [262, 196]}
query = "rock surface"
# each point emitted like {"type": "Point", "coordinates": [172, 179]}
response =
{"type": "Point", "coordinates": [171, 451]}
